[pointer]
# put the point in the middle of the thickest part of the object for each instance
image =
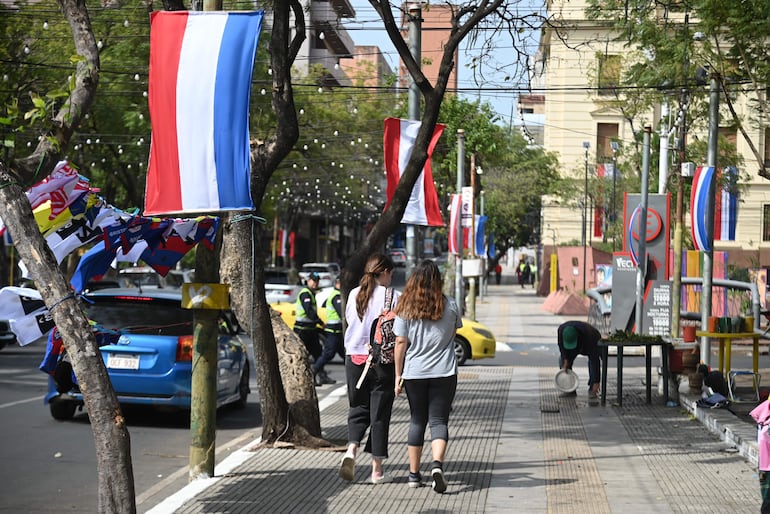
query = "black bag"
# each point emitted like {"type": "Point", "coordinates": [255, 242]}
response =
{"type": "Point", "coordinates": [382, 340]}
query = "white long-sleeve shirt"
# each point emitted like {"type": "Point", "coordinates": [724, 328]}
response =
{"type": "Point", "coordinates": [357, 333]}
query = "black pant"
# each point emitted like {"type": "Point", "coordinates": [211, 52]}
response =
{"type": "Point", "coordinates": [333, 344]}
{"type": "Point", "coordinates": [430, 401]}
{"type": "Point", "coordinates": [370, 406]}
{"type": "Point", "coordinates": [309, 336]}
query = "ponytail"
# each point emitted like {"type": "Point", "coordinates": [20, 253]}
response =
{"type": "Point", "coordinates": [376, 264]}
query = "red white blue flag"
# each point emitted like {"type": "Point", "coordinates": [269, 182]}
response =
{"type": "Point", "coordinates": [200, 79]}
{"type": "Point", "coordinates": [423, 208]}
{"type": "Point", "coordinates": [699, 199]}
{"type": "Point", "coordinates": [726, 207]}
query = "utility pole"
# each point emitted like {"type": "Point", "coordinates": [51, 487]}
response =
{"type": "Point", "coordinates": [459, 218]}
{"type": "Point", "coordinates": [472, 252]}
{"type": "Point", "coordinates": [641, 269]}
{"type": "Point", "coordinates": [708, 254]}
{"type": "Point", "coordinates": [203, 393]}
{"type": "Point", "coordinates": [415, 43]}
{"type": "Point", "coordinates": [584, 237]}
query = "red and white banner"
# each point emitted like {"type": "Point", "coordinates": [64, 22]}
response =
{"type": "Point", "coordinates": [454, 218]}
{"type": "Point", "coordinates": [456, 207]}
{"type": "Point", "coordinates": [423, 207]}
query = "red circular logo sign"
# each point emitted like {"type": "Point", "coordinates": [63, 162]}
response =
{"type": "Point", "coordinates": [654, 226]}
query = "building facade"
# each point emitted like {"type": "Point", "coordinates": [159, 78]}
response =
{"type": "Point", "coordinates": [578, 71]}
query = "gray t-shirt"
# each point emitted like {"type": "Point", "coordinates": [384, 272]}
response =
{"type": "Point", "coordinates": [430, 352]}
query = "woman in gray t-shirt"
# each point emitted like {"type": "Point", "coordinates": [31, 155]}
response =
{"type": "Point", "coordinates": [425, 326]}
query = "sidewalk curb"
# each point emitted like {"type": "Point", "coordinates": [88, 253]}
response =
{"type": "Point", "coordinates": [722, 423]}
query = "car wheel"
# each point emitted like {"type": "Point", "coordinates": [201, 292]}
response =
{"type": "Point", "coordinates": [462, 350]}
{"type": "Point", "coordinates": [243, 387]}
{"type": "Point", "coordinates": [62, 410]}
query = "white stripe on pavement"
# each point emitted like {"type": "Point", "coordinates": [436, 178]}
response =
{"type": "Point", "coordinates": [238, 457]}
{"type": "Point", "coordinates": [19, 402]}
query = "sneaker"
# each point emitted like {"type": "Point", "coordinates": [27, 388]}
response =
{"type": "Point", "coordinates": [325, 378]}
{"type": "Point", "coordinates": [346, 468]}
{"type": "Point", "coordinates": [439, 481]}
{"type": "Point", "coordinates": [593, 398]}
{"type": "Point", "coordinates": [415, 479]}
{"type": "Point", "coordinates": [381, 479]}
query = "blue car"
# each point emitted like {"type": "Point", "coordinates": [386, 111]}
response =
{"type": "Point", "coordinates": [146, 340]}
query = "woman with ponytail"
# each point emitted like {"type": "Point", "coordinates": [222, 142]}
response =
{"type": "Point", "coordinates": [370, 397]}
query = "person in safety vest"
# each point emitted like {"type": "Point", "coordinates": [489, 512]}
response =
{"type": "Point", "coordinates": [306, 324]}
{"type": "Point", "coordinates": [333, 342]}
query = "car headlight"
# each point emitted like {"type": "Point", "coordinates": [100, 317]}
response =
{"type": "Point", "coordinates": [483, 332]}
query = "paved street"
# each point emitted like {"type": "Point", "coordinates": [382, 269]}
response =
{"type": "Point", "coordinates": [514, 445]}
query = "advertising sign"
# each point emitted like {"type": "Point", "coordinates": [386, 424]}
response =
{"type": "Point", "coordinates": [658, 229]}
{"type": "Point", "coordinates": [623, 292]}
{"type": "Point", "coordinates": [657, 308]}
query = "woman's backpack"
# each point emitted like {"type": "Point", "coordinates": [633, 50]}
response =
{"type": "Point", "coordinates": [382, 340]}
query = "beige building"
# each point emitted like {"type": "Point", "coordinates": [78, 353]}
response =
{"type": "Point", "coordinates": [578, 74]}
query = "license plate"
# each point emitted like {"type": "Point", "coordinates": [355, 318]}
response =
{"type": "Point", "coordinates": [122, 361]}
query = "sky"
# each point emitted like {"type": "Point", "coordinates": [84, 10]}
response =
{"type": "Point", "coordinates": [368, 30]}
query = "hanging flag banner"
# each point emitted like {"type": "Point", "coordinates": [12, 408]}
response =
{"type": "Point", "coordinates": [454, 219]}
{"type": "Point", "coordinates": [26, 312]}
{"type": "Point", "coordinates": [726, 207]}
{"type": "Point", "coordinates": [699, 199]}
{"type": "Point", "coordinates": [399, 137]}
{"type": "Point", "coordinates": [200, 79]}
{"type": "Point", "coordinates": [481, 223]}
{"type": "Point", "coordinates": [467, 212]}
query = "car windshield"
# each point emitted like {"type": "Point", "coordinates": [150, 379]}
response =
{"type": "Point", "coordinates": [276, 277]}
{"type": "Point", "coordinates": [141, 315]}
{"type": "Point", "coordinates": [317, 269]}
{"type": "Point", "coordinates": [141, 279]}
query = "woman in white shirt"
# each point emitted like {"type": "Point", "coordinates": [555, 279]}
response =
{"type": "Point", "coordinates": [372, 403]}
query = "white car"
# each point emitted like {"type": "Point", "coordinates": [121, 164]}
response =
{"type": "Point", "coordinates": [398, 256]}
{"type": "Point", "coordinates": [327, 271]}
{"type": "Point", "coordinates": [278, 287]}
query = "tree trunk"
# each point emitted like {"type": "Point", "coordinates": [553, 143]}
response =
{"type": "Point", "coordinates": [113, 446]}
{"type": "Point", "coordinates": [284, 378]}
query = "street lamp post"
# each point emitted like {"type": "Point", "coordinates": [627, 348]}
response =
{"type": "Point", "coordinates": [586, 145]}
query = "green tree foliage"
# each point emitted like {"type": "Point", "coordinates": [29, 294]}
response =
{"type": "Point", "coordinates": [336, 168]}
{"type": "Point", "coordinates": [514, 183]}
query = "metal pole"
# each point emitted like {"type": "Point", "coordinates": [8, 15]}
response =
{"type": "Point", "coordinates": [472, 279]}
{"type": "Point", "coordinates": [586, 145]}
{"type": "Point", "coordinates": [415, 19]}
{"type": "Point", "coordinates": [614, 145]}
{"type": "Point", "coordinates": [459, 228]}
{"type": "Point", "coordinates": [663, 156]}
{"type": "Point", "coordinates": [676, 285]}
{"type": "Point", "coordinates": [484, 273]}
{"type": "Point", "coordinates": [641, 269]}
{"type": "Point", "coordinates": [708, 255]}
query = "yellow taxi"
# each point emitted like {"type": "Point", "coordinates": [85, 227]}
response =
{"type": "Point", "coordinates": [473, 341]}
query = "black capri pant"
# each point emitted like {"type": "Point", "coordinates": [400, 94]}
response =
{"type": "Point", "coordinates": [430, 400]}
